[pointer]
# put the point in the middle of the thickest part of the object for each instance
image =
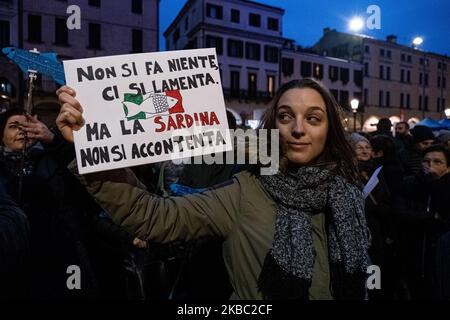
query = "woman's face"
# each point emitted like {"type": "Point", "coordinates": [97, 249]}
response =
{"type": "Point", "coordinates": [303, 123]}
{"type": "Point", "coordinates": [13, 135]}
{"type": "Point", "coordinates": [363, 151]}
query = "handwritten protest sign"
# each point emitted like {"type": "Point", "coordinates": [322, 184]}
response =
{"type": "Point", "coordinates": [148, 107]}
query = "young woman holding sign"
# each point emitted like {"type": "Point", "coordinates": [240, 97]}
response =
{"type": "Point", "coordinates": [298, 234]}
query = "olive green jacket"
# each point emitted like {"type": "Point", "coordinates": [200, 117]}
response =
{"type": "Point", "coordinates": [240, 211]}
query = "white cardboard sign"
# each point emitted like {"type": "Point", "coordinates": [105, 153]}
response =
{"type": "Point", "coordinates": [148, 107]}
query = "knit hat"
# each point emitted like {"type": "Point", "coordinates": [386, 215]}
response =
{"type": "Point", "coordinates": [421, 133]}
{"type": "Point", "coordinates": [444, 136]}
{"type": "Point", "coordinates": [356, 137]}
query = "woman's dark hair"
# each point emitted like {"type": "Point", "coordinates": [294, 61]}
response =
{"type": "Point", "coordinates": [4, 119]}
{"type": "Point", "coordinates": [337, 151]}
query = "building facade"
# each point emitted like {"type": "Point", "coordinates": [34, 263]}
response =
{"type": "Point", "coordinates": [342, 77]}
{"type": "Point", "coordinates": [399, 81]}
{"type": "Point", "coordinates": [106, 28]}
{"type": "Point", "coordinates": [248, 39]}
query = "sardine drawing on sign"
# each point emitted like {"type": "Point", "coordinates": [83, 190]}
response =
{"type": "Point", "coordinates": [138, 106]}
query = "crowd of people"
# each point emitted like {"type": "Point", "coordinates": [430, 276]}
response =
{"type": "Point", "coordinates": [221, 231]}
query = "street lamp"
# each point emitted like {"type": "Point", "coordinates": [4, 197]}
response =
{"type": "Point", "coordinates": [416, 43]}
{"type": "Point", "coordinates": [447, 113]}
{"type": "Point", "coordinates": [354, 103]}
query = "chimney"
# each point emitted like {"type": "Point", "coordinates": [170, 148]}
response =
{"type": "Point", "coordinates": [326, 30]}
{"type": "Point", "coordinates": [391, 38]}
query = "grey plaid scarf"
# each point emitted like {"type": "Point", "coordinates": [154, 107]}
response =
{"type": "Point", "coordinates": [288, 268]}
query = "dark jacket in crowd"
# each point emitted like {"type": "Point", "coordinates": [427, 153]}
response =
{"type": "Point", "coordinates": [14, 248]}
{"type": "Point", "coordinates": [423, 213]}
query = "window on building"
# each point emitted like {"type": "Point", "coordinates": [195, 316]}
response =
{"type": "Point", "coordinates": [345, 76]}
{"type": "Point", "coordinates": [34, 28]}
{"type": "Point", "coordinates": [401, 101]}
{"type": "Point", "coordinates": [235, 16]}
{"type": "Point", "coordinates": [271, 54]}
{"type": "Point", "coordinates": [215, 42]}
{"type": "Point", "coordinates": [186, 23]}
{"type": "Point", "coordinates": [254, 20]}
{"type": "Point", "coordinates": [420, 102]}
{"type": "Point", "coordinates": [366, 96]}
{"type": "Point", "coordinates": [287, 66]}
{"type": "Point", "coordinates": [426, 103]}
{"type": "Point", "coordinates": [420, 78]}
{"type": "Point", "coordinates": [403, 57]}
{"type": "Point", "coordinates": [443, 103]}
{"type": "Point", "coordinates": [366, 69]}
{"type": "Point", "coordinates": [235, 48]}
{"type": "Point", "coordinates": [380, 98]}
{"type": "Point", "coordinates": [318, 71]}
{"type": "Point", "coordinates": [136, 6]}
{"type": "Point", "coordinates": [388, 54]}
{"type": "Point", "coordinates": [7, 88]}
{"type": "Point", "coordinates": [4, 34]}
{"type": "Point", "coordinates": [444, 66]}
{"type": "Point", "coordinates": [335, 94]}
{"type": "Point", "coordinates": [439, 81]}
{"type": "Point", "coordinates": [176, 35]}
{"type": "Point", "coordinates": [192, 44]}
{"type": "Point", "coordinates": [388, 99]}
{"type": "Point", "coordinates": [381, 52]}
{"type": "Point", "coordinates": [408, 76]}
{"type": "Point", "coordinates": [343, 99]}
{"type": "Point", "coordinates": [409, 59]}
{"type": "Point", "coordinates": [426, 79]}
{"type": "Point", "coordinates": [381, 73]}
{"type": "Point", "coordinates": [214, 11]}
{"type": "Point", "coordinates": [95, 36]}
{"type": "Point", "coordinates": [271, 85]}
{"type": "Point", "coordinates": [252, 51]}
{"type": "Point", "coordinates": [272, 24]}
{"type": "Point", "coordinates": [408, 105]}
{"type": "Point", "coordinates": [333, 73]}
{"type": "Point", "coordinates": [252, 81]}
{"type": "Point", "coordinates": [439, 65]}
{"type": "Point", "coordinates": [94, 3]}
{"type": "Point", "coordinates": [402, 75]}
{"type": "Point", "coordinates": [357, 78]}
{"type": "Point", "coordinates": [305, 69]}
{"type": "Point", "coordinates": [388, 73]}
{"type": "Point", "coordinates": [137, 41]}
{"type": "Point", "coordinates": [366, 49]}
{"type": "Point", "coordinates": [235, 84]}
{"type": "Point", "coordinates": [438, 104]}
{"type": "Point", "coordinates": [444, 82]}
{"type": "Point", "coordinates": [61, 34]}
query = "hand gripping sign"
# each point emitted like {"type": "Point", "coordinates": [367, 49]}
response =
{"type": "Point", "coordinates": [148, 107]}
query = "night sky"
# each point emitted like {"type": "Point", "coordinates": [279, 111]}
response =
{"type": "Point", "coordinates": [304, 20]}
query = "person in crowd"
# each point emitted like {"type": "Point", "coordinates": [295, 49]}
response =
{"type": "Point", "coordinates": [411, 157]}
{"type": "Point", "coordinates": [29, 169]}
{"type": "Point", "coordinates": [444, 138]}
{"type": "Point", "coordinates": [384, 127]}
{"type": "Point", "coordinates": [403, 138]}
{"type": "Point", "coordinates": [378, 214]}
{"type": "Point", "coordinates": [61, 214]}
{"type": "Point", "coordinates": [298, 234]}
{"type": "Point", "coordinates": [423, 210]}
